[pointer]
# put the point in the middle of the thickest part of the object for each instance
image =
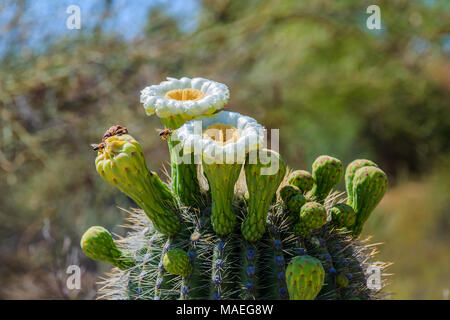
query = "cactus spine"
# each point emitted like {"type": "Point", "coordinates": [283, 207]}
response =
{"type": "Point", "coordinates": [185, 182]}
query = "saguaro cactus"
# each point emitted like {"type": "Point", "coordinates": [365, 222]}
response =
{"type": "Point", "coordinates": [252, 233]}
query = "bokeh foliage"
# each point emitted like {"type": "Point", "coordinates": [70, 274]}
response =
{"type": "Point", "coordinates": [309, 68]}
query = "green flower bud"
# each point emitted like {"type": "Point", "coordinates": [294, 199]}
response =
{"type": "Point", "coordinates": [327, 172]}
{"type": "Point", "coordinates": [120, 161]}
{"type": "Point", "coordinates": [369, 186]}
{"type": "Point", "coordinates": [304, 278]}
{"type": "Point", "coordinates": [341, 280]}
{"type": "Point", "coordinates": [294, 205]}
{"type": "Point", "coordinates": [313, 215]}
{"type": "Point", "coordinates": [350, 173]}
{"type": "Point", "coordinates": [287, 192]}
{"type": "Point", "coordinates": [98, 244]}
{"type": "Point", "coordinates": [343, 215]}
{"type": "Point", "coordinates": [302, 179]}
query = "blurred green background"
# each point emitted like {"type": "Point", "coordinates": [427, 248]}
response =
{"type": "Point", "coordinates": [310, 68]}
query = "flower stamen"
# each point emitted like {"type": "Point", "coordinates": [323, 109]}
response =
{"type": "Point", "coordinates": [184, 94]}
{"type": "Point", "coordinates": [222, 134]}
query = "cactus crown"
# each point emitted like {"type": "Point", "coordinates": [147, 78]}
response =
{"type": "Point", "coordinates": [188, 242]}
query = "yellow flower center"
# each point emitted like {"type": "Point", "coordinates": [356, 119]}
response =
{"type": "Point", "coordinates": [184, 94]}
{"type": "Point", "coordinates": [222, 134]}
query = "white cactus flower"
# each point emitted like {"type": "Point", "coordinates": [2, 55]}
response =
{"type": "Point", "coordinates": [184, 97]}
{"type": "Point", "coordinates": [225, 137]}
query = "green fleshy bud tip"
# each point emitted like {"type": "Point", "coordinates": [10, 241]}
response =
{"type": "Point", "coordinates": [302, 179]}
{"type": "Point", "coordinates": [313, 215]}
{"type": "Point", "coordinates": [98, 244]}
{"type": "Point", "coordinates": [341, 280]}
{"type": "Point", "coordinates": [304, 277]}
{"type": "Point", "coordinates": [288, 191]}
{"type": "Point", "coordinates": [296, 203]}
{"type": "Point", "coordinates": [343, 215]}
{"type": "Point", "coordinates": [176, 261]}
{"type": "Point", "coordinates": [327, 172]}
{"type": "Point", "coordinates": [350, 173]}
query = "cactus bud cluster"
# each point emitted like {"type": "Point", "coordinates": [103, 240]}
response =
{"type": "Point", "coordinates": [215, 243]}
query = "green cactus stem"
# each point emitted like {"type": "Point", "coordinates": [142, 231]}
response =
{"type": "Point", "coordinates": [369, 186]}
{"type": "Point", "coordinates": [350, 173]}
{"type": "Point", "coordinates": [327, 172]}
{"type": "Point", "coordinates": [185, 183]}
{"type": "Point", "coordinates": [222, 178]}
{"type": "Point", "coordinates": [343, 215]}
{"type": "Point", "coordinates": [302, 179]}
{"type": "Point", "coordinates": [121, 162]}
{"type": "Point", "coordinates": [98, 244]}
{"type": "Point", "coordinates": [304, 278]}
{"type": "Point", "coordinates": [261, 186]}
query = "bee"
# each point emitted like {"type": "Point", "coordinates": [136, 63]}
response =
{"type": "Point", "coordinates": [165, 133]}
{"type": "Point", "coordinates": [98, 147]}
